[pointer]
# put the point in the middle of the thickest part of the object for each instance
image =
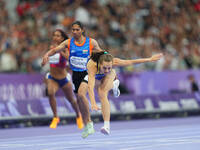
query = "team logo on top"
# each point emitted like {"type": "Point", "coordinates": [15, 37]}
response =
{"type": "Point", "coordinates": [85, 51]}
{"type": "Point", "coordinates": [73, 51]}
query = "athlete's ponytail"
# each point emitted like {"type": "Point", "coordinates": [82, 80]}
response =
{"type": "Point", "coordinates": [101, 56]}
{"type": "Point", "coordinates": [105, 57]}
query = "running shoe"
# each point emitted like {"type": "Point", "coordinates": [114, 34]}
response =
{"type": "Point", "coordinates": [54, 122]}
{"type": "Point", "coordinates": [85, 132]}
{"type": "Point", "coordinates": [90, 128]}
{"type": "Point", "coordinates": [105, 130]}
{"type": "Point", "coordinates": [79, 122]}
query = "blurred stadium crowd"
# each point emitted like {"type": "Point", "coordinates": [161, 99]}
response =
{"type": "Point", "coordinates": [127, 28]}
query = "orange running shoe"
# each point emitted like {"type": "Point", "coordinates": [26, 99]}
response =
{"type": "Point", "coordinates": [54, 122]}
{"type": "Point", "coordinates": [79, 122]}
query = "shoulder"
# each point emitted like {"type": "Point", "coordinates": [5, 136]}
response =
{"type": "Point", "coordinates": [91, 63]}
{"type": "Point", "coordinates": [92, 66]}
{"type": "Point", "coordinates": [93, 41]}
{"type": "Point", "coordinates": [67, 42]}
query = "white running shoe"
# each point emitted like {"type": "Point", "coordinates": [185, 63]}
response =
{"type": "Point", "coordinates": [105, 130]}
{"type": "Point", "coordinates": [116, 91]}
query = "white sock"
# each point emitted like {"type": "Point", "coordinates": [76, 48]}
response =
{"type": "Point", "coordinates": [107, 124]}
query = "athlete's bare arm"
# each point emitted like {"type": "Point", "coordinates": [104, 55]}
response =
{"type": "Point", "coordinates": [95, 45]}
{"type": "Point", "coordinates": [92, 70]}
{"type": "Point", "coordinates": [54, 50]}
{"type": "Point", "coordinates": [65, 54]}
{"type": "Point", "coordinates": [121, 62]}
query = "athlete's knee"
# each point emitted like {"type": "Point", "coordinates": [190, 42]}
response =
{"type": "Point", "coordinates": [102, 93]}
{"type": "Point", "coordinates": [50, 92]}
{"type": "Point", "coordinates": [71, 100]}
{"type": "Point", "coordinates": [51, 96]}
{"type": "Point", "coordinates": [81, 95]}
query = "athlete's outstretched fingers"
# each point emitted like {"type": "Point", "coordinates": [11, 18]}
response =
{"type": "Point", "coordinates": [156, 57]}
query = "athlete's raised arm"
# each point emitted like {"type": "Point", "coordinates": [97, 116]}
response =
{"type": "Point", "coordinates": [121, 62]}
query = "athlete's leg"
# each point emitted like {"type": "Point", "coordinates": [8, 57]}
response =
{"type": "Point", "coordinates": [81, 88]}
{"type": "Point", "coordinates": [84, 107]}
{"type": "Point", "coordinates": [52, 88]}
{"type": "Point", "coordinates": [105, 86]}
{"type": "Point", "coordinates": [105, 105]}
{"type": "Point", "coordinates": [68, 91]}
{"type": "Point", "coordinates": [83, 102]}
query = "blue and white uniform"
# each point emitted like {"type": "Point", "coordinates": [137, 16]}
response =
{"type": "Point", "coordinates": [79, 55]}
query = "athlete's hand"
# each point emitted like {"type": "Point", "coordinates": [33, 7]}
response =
{"type": "Point", "coordinates": [95, 107]}
{"type": "Point", "coordinates": [45, 59]}
{"type": "Point", "coordinates": [156, 57]}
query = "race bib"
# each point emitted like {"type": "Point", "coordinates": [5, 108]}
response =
{"type": "Point", "coordinates": [54, 59]}
{"type": "Point", "coordinates": [78, 62]}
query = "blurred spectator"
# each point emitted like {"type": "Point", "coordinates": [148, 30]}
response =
{"type": "Point", "coordinates": [128, 29]}
{"type": "Point", "coordinates": [193, 84]}
{"type": "Point", "coordinates": [8, 62]}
